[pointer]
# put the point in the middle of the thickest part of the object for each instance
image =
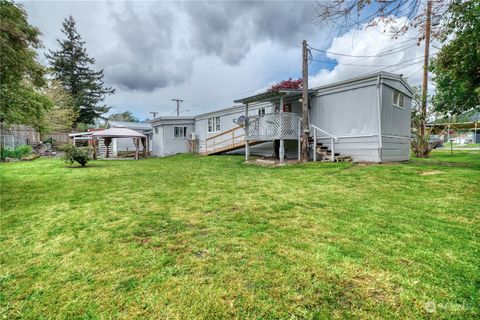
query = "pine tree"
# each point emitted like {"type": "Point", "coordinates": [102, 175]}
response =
{"type": "Point", "coordinates": [71, 65]}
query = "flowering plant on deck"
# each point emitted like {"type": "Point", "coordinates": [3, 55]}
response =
{"type": "Point", "coordinates": [289, 84]}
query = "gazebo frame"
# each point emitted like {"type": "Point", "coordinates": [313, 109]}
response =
{"type": "Point", "coordinates": [111, 133]}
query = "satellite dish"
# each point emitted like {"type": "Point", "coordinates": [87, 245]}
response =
{"type": "Point", "coordinates": [241, 120]}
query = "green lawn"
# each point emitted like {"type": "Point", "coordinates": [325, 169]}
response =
{"type": "Point", "coordinates": [190, 237]}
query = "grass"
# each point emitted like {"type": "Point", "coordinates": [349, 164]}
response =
{"type": "Point", "coordinates": [190, 237]}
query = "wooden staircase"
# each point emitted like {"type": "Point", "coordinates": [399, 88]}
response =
{"type": "Point", "coordinates": [226, 141]}
{"type": "Point", "coordinates": [324, 154]}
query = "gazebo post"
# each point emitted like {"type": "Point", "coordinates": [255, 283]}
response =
{"type": "Point", "coordinates": [144, 145]}
{"type": "Point", "coordinates": [107, 142]}
{"type": "Point", "coordinates": [94, 144]}
{"type": "Point", "coordinates": [135, 140]}
{"type": "Point", "coordinates": [117, 133]}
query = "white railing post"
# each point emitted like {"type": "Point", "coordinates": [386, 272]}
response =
{"type": "Point", "coordinates": [314, 144]}
{"type": "Point", "coordinates": [333, 150]}
{"type": "Point", "coordinates": [299, 138]}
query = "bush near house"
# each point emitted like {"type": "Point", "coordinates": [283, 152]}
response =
{"type": "Point", "coordinates": [74, 154]}
{"type": "Point", "coordinates": [15, 153]}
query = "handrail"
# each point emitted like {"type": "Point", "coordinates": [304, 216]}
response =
{"type": "Point", "coordinates": [325, 132]}
{"type": "Point", "coordinates": [227, 138]}
{"type": "Point", "coordinates": [223, 132]}
{"type": "Point", "coordinates": [332, 137]}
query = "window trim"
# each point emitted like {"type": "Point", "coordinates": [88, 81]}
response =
{"type": "Point", "coordinates": [214, 124]}
{"type": "Point", "coordinates": [185, 129]}
{"type": "Point", "coordinates": [396, 102]}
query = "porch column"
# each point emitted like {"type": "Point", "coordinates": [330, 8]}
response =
{"type": "Point", "coordinates": [281, 150]}
{"type": "Point", "coordinates": [247, 144]}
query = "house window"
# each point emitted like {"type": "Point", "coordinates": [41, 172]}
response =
{"type": "Point", "coordinates": [156, 129]}
{"type": "Point", "coordinates": [179, 132]}
{"type": "Point", "coordinates": [398, 99]}
{"type": "Point", "coordinates": [261, 112]}
{"type": "Point", "coordinates": [213, 124]}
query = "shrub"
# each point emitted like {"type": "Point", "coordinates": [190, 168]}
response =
{"type": "Point", "coordinates": [75, 154]}
{"type": "Point", "coordinates": [17, 152]}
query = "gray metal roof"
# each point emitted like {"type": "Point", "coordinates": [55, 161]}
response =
{"type": "Point", "coordinates": [382, 74]}
{"type": "Point", "coordinates": [232, 108]}
{"type": "Point", "coordinates": [129, 125]}
{"type": "Point", "coordinates": [172, 119]}
{"type": "Point", "coordinates": [269, 95]}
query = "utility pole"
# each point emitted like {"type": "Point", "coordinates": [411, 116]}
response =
{"type": "Point", "coordinates": [425, 69]}
{"type": "Point", "coordinates": [305, 123]}
{"type": "Point", "coordinates": [178, 105]}
{"type": "Point", "coordinates": [154, 114]}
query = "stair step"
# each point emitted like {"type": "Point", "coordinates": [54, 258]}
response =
{"type": "Point", "coordinates": [327, 152]}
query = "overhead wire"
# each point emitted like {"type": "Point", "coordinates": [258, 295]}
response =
{"type": "Point", "coordinates": [388, 52]}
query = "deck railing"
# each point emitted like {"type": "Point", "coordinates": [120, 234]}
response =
{"type": "Point", "coordinates": [225, 140]}
{"type": "Point", "coordinates": [273, 126]}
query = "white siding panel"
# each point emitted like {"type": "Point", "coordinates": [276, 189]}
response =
{"type": "Point", "coordinates": [350, 112]}
{"type": "Point", "coordinates": [395, 120]}
{"type": "Point", "coordinates": [173, 145]}
{"type": "Point", "coordinates": [361, 149]}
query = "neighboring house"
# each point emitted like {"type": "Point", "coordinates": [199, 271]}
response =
{"type": "Point", "coordinates": [171, 135]}
{"type": "Point", "coordinates": [126, 145]}
{"type": "Point", "coordinates": [365, 118]}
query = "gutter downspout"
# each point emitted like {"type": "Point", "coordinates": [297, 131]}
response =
{"type": "Point", "coordinates": [379, 104]}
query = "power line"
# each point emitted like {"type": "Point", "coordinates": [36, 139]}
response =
{"type": "Point", "coordinates": [413, 73]}
{"type": "Point", "coordinates": [363, 65]}
{"type": "Point", "coordinates": [389, 52]}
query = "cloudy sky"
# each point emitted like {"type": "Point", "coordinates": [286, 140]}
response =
{"type": "Point", "coordinates": [210, 53]}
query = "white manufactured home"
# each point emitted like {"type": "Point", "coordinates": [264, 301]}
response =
{"type": "Point", "coordinates": [172, 135]}
{"type": "Point", "coordinates": [366, 119]}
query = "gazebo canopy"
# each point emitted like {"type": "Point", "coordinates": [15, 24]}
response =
{"type": "Point", "coordinates": [118, 133]}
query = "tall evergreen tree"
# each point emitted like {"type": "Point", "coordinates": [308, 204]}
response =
{"type": "Point", "coordinates": [72, 66]}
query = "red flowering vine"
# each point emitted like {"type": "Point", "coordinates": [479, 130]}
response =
{"type": "Point", "coordinates": [289, 84]}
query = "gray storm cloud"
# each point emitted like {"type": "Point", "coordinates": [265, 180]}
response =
{"type": "Point", "coordinates": [158, 43]}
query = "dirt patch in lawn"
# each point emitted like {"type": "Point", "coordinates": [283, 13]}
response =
{"type": "Point", "coordinates": [430, 173]}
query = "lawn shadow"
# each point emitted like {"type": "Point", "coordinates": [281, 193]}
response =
{"type": "Point", "coordinates": [96, 165]}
